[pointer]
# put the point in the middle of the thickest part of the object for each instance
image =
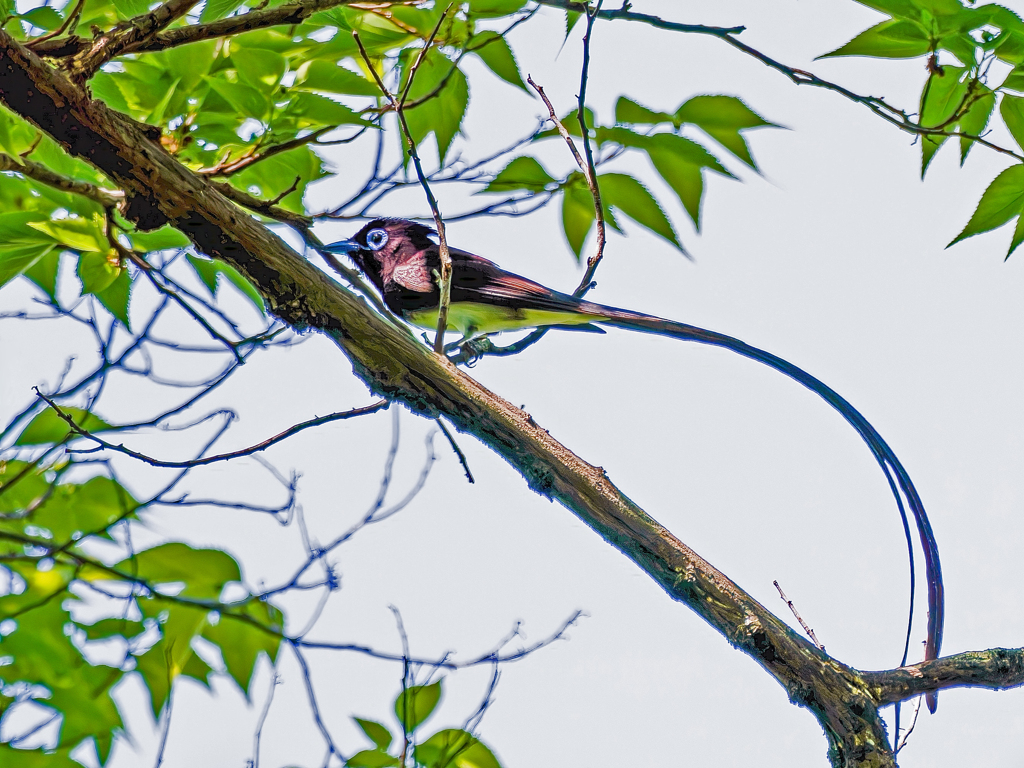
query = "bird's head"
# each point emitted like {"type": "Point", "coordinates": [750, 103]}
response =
{"type": "Point", "coordinates": [381, 242]}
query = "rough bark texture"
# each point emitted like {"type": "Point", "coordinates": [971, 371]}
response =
{"type": "Point", "coordinates": [160, 190]}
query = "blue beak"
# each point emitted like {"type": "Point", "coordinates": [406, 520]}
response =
{"type": "Point", "coordinates": [345, 247]}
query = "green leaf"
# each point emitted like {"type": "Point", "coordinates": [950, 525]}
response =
{"type": "Point", "coordinates": [28, 489]}
{"type": "Point", "coordinates": [892, 39]}
{"type": "Point", "coordinates": [162, 239]}
{"type": "Point", "coordinates": [577, 212]}
{"type": "Point", "coordinates": [941, 98]}
{"type": "Point", "coordinates": [1015, 80]}
{"type": "Point", "coordinates": [126, 9]}
{"type": "Point", "coordinates": [723, 118]}
{"type": "Point", "coordinates": [681, 163]}
{"type": "Point", "coordinates": [416, 703]}
{"type": "Point", "coordinates": [241, 643]}
{"type": "Point", "coordinates": [48, 427]}
{"type": "Point", "coordinates": [17, 258]}
{"type": "Point", "coordinates": [77, 234]}
{"type": "Point", "coordinates": [203, 571]}
{"type": "Point", "coordinates": [1011, 109]}
{"type": "Point", "coordinates": [495, 7]}
{"type": "Point", "coordinates": [172, 656]}
{"type": "Point", "coordinates": [320, 111]}
{"type": "Point", "coordinates": [259, 67]}
{"type": "Point", "coordinates": [630, 112]}
{"type": "Point", "coordinates": [44, 272]}
{"type": "Point", "coordinates": [622, 191]}
{"type": "Point", "coordinates": [441, 114]}
{"type": "Point", "coordinates": [218, 9]}
{"type": "Point", "coordinates": [246, 100]}
{"type": "Point", "coordinates": [1002, 201]}
{"type": "Point", "coordinates": [571, 17]}
{"type": "Point", "coordinates": [98, 271]}
{"type": "Point", "coordinates": [522, 173]}
{"type": "Point", "coordinates": [209, 270]}
{"type": "Point", "coordinates": [36, 758]}
{"type": "Point", "coordinates": [495, 52]}
{"type": "Point", "coordinates": [454, 748]}
{"type": "Point", "coordinates": [976, 118]}
{"type": "Point", "coordinates": [86, 508]}
{"type": "Point", "coordinates": [115, 297]}
{"type": "Point", "coordinates": [376, 732]}
{"type": "Point", "coordinates": [319, 75]}
{"type": "Point", "coordinates": [44, 17]}
{"type": "Point", "coordinates": [371, 758]}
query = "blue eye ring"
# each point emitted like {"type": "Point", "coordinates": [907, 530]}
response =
{"type": "Point", "coordinates": [376, 239]}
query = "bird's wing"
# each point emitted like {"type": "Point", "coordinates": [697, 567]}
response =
{"type": "Point", "coordinates": [477, 280]}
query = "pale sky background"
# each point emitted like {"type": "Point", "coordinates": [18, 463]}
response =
{"type": "Point", "coordinates": [833, 259]}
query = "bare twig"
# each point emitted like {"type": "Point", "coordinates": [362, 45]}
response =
{"type": "Point", "coordinates": [445, 276]}
{"type": "Point", "coordinates": [108, 198]}
{"type": "Point", "coordinates": [799, 618]}
{"type": "Point", "coordinates": [458, 451]}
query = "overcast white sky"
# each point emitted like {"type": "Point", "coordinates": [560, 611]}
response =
{"type": "Point", "coordinates": [834, 259]}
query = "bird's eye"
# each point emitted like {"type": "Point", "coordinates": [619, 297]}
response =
{"type": "Point", "coordinates": [376, 239]}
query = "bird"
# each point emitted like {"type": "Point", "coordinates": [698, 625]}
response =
{"type": "Point", "coordinates": [402, 260]}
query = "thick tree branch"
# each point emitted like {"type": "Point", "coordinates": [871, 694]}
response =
{"type": "Point", "coordinates": [996, 668]}
{"type": "Point", "coordinates": [281, 15]}
{"type": "Point", "coordinates": [125, 36]}
{"type": "Point", "coordinates": [160, 190]}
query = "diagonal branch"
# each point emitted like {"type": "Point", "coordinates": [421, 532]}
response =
{"type": "Point", "coordinates": [125, 36]}
{"type": "Point", "coordinates": [287, 14]}
{"type": "Point", "coordinates": [107, 198]}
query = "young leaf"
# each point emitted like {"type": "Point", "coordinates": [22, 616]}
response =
{"type": "Point", "coordinates": [495, 52]}
{"type": "Point", "coordinates": [86, 508]}
{"type": "Point", "coordinates": [372, 758]}
{"type": "Point", "coordinates": [723, 118]}
{"type": "Point", "coordinates": [376, 732]}
{"type": "Point", "coordinates": [454, 748]}
{"type": "Point", "coordinates": [98, 271]}
{"type": "Point", "coordinates": [43, 17]}
{"type": "Point", "coordinates": [681, 163]}
{"type": "Point", "coordinates": [241, 642]}
{"type": "Point", "coordinates": [445, 105]}
{"type": "Point", "coordinates": [1002, 201]}
{"type": "Point", "coordinates": [976, 119]}
{"type": "Point", "coordinates": [159, 239]}
{"type": "Point", "coordinates": [78, 234]}
{"type": "Point", "coordinates": [941, 97]}
{"type": "Point", "coordinates": [115, 297]}
{"type": "Point", "coordinates": [1011, 108]}
{"type": "Point", "coordinates": [48, 427]}
{"type": "Point", "coordinates": [416, 703]}
{"type": "Point", "coordinates": [319, 75]}
{"type": "Point", "coordinates": [522, 173]}
{"type": "Point", "coordinates": [631, 197]}
{"type": "Point", "coordinates": [218, 9]}
{"type": "Point", "coordinates": [630, 112]}
{"type": "Point", "coordinates": [495, 7]}
{"type": "Point", "coordinates": [203, 571]}
{"type": "Point", "coordinates": [892, 39]}
{"type": "Point", "coordinates": [43, 272]}
{"type": "Point", "coordinates": [17, 258]}
{"type": "Point", "coordinates": [577, 212]}
{"type": "Point", "coordinates": [259, 67]}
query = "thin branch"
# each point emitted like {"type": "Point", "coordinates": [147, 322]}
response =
{"type": "Point", "coordinates": [125, 37]}
{"type": "Point", "coordinates": [107, 198]}
{"type": "Point", "coordinates": [261, 446]}
{"type": "Point", "coordinates": [799, 618]}
{"type": "Point", "coordinates": [591, 174]}
{"type": "Point", "coordinates": [445, 277]}
{"type": "Point", "coordinates": [458, 451]}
